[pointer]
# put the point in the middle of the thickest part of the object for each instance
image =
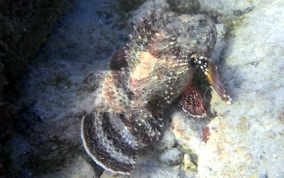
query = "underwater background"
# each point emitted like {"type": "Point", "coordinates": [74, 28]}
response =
{"type": "Point", "coordinates": [51, 56]}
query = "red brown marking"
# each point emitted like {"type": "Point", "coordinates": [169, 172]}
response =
{"type": "Point", "coordinates": [206, 134]}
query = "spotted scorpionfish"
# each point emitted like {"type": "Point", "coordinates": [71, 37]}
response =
{"type": "Point", "coordinates": [154, 69]}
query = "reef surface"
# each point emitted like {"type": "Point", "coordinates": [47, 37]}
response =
{"type": "Point", "coordinates": [244, 139]}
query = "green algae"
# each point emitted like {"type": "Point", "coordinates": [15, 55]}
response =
{"type": "Point", "coordinates": [230, 26]}
{"type": "Point", "coordinates": [184, 6]}
{"type": "Point", "coordinates": [129, 5]}
{"type": "Point", "coordinates": [190, 162]}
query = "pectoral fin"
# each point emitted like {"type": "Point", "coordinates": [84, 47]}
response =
{"type": "Point", "coordinates": [192, 101]}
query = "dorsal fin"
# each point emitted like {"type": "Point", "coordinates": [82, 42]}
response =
{"type": "Point", "coordinates": [118, 60]}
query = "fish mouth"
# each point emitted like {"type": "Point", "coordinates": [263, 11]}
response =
{"type": "Point", "coordinates": [210, 70]}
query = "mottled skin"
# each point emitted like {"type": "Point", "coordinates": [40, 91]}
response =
{"type": "Point", "coordinates": [149, 73]}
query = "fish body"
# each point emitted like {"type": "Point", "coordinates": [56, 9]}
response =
{"type": "Point", "coordinates": [154, 68]}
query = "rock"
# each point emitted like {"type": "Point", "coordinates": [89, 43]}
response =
{"type": "Point", "coordinates": [25, 26]}
{"type": "Point", "coordinates": [228, 7]}
{"type": "Point", "coordinates": [171, 157]}
{"type": "Point", "coordinates": [7, 118]}
{"type": "Point", "coordinates": [42, 148]}
{"type": "Point", "coordinates": [246, 136]}
{"type": "Point", "coordinates": [184, 6]}
{"type": "Point", "coordinates": [3, 82]}
{"type": "Point", "coordinates": [145, 8]}
{"type": "Point", "coordinates": [108, 174]}
{"type": "Point", "coordinates": [167, 141]}
{"type": "Point", "coordinates": [78, 167]}
{"type": "Point", "coordinates": [252, 128]}
{"type": "Point", "coordinates": [185, 132]}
